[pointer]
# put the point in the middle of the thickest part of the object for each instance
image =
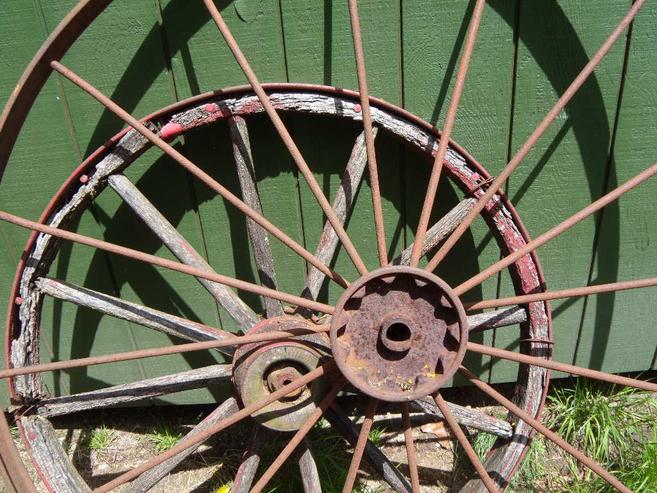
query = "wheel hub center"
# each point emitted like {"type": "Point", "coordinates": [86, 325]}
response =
{"type": "Point", "coordinates": [260, 369]}
{"type": "Point", "coordinates": [399, 333]}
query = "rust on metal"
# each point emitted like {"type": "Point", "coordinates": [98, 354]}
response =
{"type": "Point", "coordinates": [399, 333]}
{"type": "Point", "coordinates": [261, 369]}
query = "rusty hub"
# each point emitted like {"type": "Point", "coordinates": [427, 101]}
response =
{"type": "Point", "coordinates": [261, 369]}
{"type": "Point", "coordinates": [399, 333]}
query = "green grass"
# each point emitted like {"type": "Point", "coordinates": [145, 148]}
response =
{"type": "Point", "coordinates": [376, 435]}
{"type": "Point", "coordinates": [164, 438]}
{"type": "Point", "coordinates": [100, 438]}
{"type": "Point", "coordinates": [14, 432]}
{"type": "Point", "coordinates": [601, 423]}
{"type": "Point", "coordinates": [615, 427]}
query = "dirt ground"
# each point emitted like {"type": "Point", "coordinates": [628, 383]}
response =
{"type": "Point", "coordinates": [128, 436]}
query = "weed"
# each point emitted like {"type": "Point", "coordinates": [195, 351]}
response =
{"type": "Point", "coordinates": [600, 423]}
{"type": "Point", "coordinates": [14, 432]}
{"type": "Point", "coordinates": [164, 438]}
{"type": "Point", "coordinates": [376, 435]}
{"type": "Point", "coordinates": [100, 438]}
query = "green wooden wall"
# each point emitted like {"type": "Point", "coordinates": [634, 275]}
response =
{"type": "Point", "coordinates": [147, 54]}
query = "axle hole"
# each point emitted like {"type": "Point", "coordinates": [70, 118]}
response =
{"type": "Point", "coordinates": [398, 332]}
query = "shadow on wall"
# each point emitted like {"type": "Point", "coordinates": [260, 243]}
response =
{"type": "Point", "coordinates": [144, 69]}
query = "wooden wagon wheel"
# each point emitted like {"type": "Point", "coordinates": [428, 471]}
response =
{"type": "Point", "coordinates": [397, 333]}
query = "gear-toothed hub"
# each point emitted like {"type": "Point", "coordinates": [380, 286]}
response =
{"type": "Point", "coordinates": [260, 369]}
{"type": "Point", "coordinates": [399, 333]}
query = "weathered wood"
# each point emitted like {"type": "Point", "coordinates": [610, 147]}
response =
{"type": "Point", "coordinates": [149, 479]}
{"type": "Point", "coordinates": [133, 312]}
{"type": "Point", "coordinates": [239, 135]}
{"type": "Point", "coordinates": [136, 391]}
{"type": "Point", "coordinates": [343, 425]}
{"type": "Point", "coordinates": [308, 469]}
{"type": "Point", "coordinates": [439, 231]}
{"type": "Point", "coordinates": [49, 456]}
{"type": "Point", "coordinates": [342, 204]}
{"type": "Point", "coordinates": [249, 466]}
{"type": "Point", "coordinates": [468, 417]}
{"type": "Point", "coordinates": [175, 242]}
{"type": "Point", "coordinates": [497, 318]}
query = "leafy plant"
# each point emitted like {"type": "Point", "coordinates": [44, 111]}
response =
{"type": "Point", "coordinates": [376, 435]}
{"type": "Point", "coordinates": [164, 438]}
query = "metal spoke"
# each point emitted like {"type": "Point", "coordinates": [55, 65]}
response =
{"type": "Point", "coordinates": [132, 312]}
{"type": "Point", "coordinates": [150, 478]}
{"type": "Point", "coordinates": [498, 318]}
{"type": "Point", "coordinates": [239, 135]}
{"type": "Point", "coordinates": [299, 436]}
{"type": "Point", "coordinates": [196, 171]}
{"type": "Point", "coordinates": [550, 435]}
{"type": "Point", "coordinates": [365, 428]}
{"type": "Point", "coordinates": [434, 179]}
{"type": "Point", "coordinates": [248, 468]}
{"type": "Point", "coordinates": [381, 464]}
{"type": "Point", "coordinates": [181, 248]}
{"type": "Point", "coordinates": [168, 264]}
{"type": "Point", "coordinates": [565, 293]}
{"type": "Point", "coordinates": [308, 469]}
{"type": "Point", "coordinates": [465, 444]}
{"type": "Point", "coordinates": [465, 416]}
{"type": "Point", "coordinates": [150, 353]}
{"type": "Point", "coordinates": [535, 136]}
{"type": "Point", "coordinates": [563, 367]}
{"type": "Point", "coordinates": [205, 434]}
{"type": "Point", "coordinates": [439, 231]}
{"type": "Point", "coordinates": [410, 447]}
{"type": "Point", "coordinates": [136, 391]}
{"type": "Point", "coordinates": [286, 137]}
{"type": "Point", "coordinates": [361, 71]}
{"type": "Point", "coordinates": [558, 229]}
{"type": "Point", "coordinates": [342, 204]}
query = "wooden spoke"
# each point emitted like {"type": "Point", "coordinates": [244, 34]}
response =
{"type": "Point", "coordinates": [151, 353]}
{"type": "Point", "coordinates": [248, 468]}
{"type": "Point", "coordinates": [535, 136]}
{"type": "Point", "coordinates": [50, 457]}
{"type": "Point", "coordinates": [136, 391]}
{"type": "Point", "coordinates": [467, 417]}
{"type": "Point", "coordinates": [410, 447]}
{"type": "Point", "coordinates": [286, 137]}
{"type": "Point", "coordinates": [550, 435]}
{"type": "Point", "coordinates": [434, 179]}
{"type": "Point", "coordinates": [150, 478]}
{"type": "Point", "coordinates": [365, 428]}
{"type": "Point", "coordinates": [308, 468]}
{"type": "Point", "coordinates": [179, 246]}
{"type": "Point", "coordinates": [342, 204]}
{"type": "Point", "coordinates": [565, 225]}
{"type": "Point", "coordinates": [239, 135]}
{"type": "Point", "coordinates": [566, 368]}
{"type": "Point", "coordinates": [299, 436]}
{"type": "Point", "coordinates": [465, 444]}
{"type": "Point", "coordinates": [565, 293]}
{"type": "Point", "coordinates": [167, 264]}
{"type": "Point", "coordinates": [369, 134]}
{"type": "Point", "coordinates": [132, 312]}
{"type": "Point", "coordinates": [497, 318]}
{"type": "Point", "coordinates": [439, 231]}
{"type": "Point", "coordinates": [381, 464]}
{"type": "Point", "coordinates": [212, 430]}
{"type": "Point", "coordinates": [196, 171]}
